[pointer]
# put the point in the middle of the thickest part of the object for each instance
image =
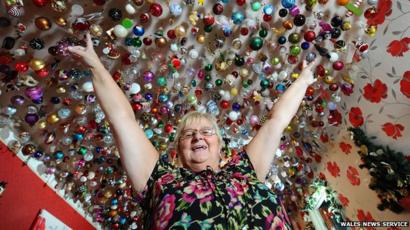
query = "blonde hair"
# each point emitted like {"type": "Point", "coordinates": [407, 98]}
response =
{"type": "Point", "coordinates": [192, 117]}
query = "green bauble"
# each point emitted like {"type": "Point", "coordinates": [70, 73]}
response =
{"type": "Point", "coordinates": [256, 6]}
{"type": "Point", "coordinates": [295, 50]}
{"type": "Point", "coordinates": [162, 81]}
{"type": "Point", "coordinates": [263, 33]}
{"type": "Point", "coordinates": [294, 38]}
{"type": "Point", "coordinates": [256, 43]}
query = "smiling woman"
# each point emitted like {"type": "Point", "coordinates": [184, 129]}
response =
{"type": "Point", "coordinates": [199, 142]}
{"type": "Point", "coordinates": [198, 192]}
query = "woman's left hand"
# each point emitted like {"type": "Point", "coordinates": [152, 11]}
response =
{"type": "Point", "coordinates": [307, 74]}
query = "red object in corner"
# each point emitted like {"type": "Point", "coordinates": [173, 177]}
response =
{"type": "Point", "coordinates": [26, 194]}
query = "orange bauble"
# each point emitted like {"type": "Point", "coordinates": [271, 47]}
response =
{"type": "Point", "coordinates": [342, 2]}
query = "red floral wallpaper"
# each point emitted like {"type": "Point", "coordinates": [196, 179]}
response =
{"type": "Point", "coordinates": [380, 105]}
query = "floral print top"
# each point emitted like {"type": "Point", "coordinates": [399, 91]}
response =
{"type": "Point", "coordinates": [233, 198]}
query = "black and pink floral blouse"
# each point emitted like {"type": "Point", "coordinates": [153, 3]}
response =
{"type": "Point", "coordinates": [233, 198]}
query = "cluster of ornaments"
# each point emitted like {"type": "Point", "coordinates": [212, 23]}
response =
{"type": "Point", "coordinates": [232, 59]}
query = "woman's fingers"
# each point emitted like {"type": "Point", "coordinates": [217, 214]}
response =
{"type": "Point", "coordinates": [89, 41]}
{"type": "Point", "coordinates": [79, 50]}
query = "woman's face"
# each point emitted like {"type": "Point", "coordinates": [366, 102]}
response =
{"type": "Point", "coordinates": [199, 145]}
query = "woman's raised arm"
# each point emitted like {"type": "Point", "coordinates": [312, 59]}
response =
{"type": "Point", "coordinates": [138, 155]}
{"type": "Point", "coordinates": [261, 150]}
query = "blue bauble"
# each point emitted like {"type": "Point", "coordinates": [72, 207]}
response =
{"type": "Point", "coordinates": [237, 17]}
{"type": "Point", "coordinates": [268, 9]}
{"type": "Point", "coordinates": [138, 30]}
{"type": "Point", "coordinates": [288, 3]}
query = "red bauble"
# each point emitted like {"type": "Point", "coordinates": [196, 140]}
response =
{"type": "Point", "coordinates": [224, 104]}
{"type": "Point", "coordinates": [240, 2]}
{"type": "Point", "coordinates": [136, 106]}
{"type": "Point", "coordinates": [42, 72]}
{"type": "Point", "coordinates": [218, 8]}
{"type": "Point", "coordinates": [244, 31]}
{"type": "Point", "coordinates": [292, 59]}
{"type": "Point", "coordinates": [144, 18]}
{"type": "Point", "coordinates": [333, 87]}
{"type": "Point", "coordinates": [155, 9]}
{"type": "Point", "coordinates": [310, 91]}
{"type": "Point", "coordinates": [338, 65]}
{"type": "Point", "coordinates": [40, 3]}
{"type": "Point", "coordinates": [99, 2]}
{"type": "Point", "coordinates": [171, 34]}
{"type": "Point", "coordinates": [309, 36]}
{"type": "Point", "coordinates": [209, 20]}
{"type": "Point", "coordinates": [168, 128]}
{"type": "Point", "coordinates": [21, 67]}
{"type": "Point", "coordinates": [147, 41]}
{"type": "Point", "coordinates": [320, 70]}
{"type": "Point", "coordinates": [267, 17]}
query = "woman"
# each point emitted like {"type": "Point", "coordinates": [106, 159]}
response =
{"type": "Point", "coordinates": [199, 192]}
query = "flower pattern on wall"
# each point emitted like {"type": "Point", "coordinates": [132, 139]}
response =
{"type": "Point", "coordinates": [380, 105]}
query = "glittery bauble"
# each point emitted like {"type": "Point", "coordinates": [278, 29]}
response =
{"type": "Point", "coordinates": [42, 23]}
{"type": "Point", "coordinates": [256, 43]}
{"type": "Point", "coordinates": [155, 9]}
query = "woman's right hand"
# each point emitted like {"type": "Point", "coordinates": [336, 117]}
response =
{"type": "Point", "coordinates": [87, 53]}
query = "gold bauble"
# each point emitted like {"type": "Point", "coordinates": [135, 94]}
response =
{"type": "Point", "coordinates": [161, 42]}
{"type": "Point", "coordinates": [234, 92]}
{"type": "Point", "coordinates": [294, 75]}
{"type": "Point", "coordinates": [42, 23]}
{"type": "Point", "coordinates": [42, 124]}
{"type": "Point", "coordinates": [96, 30]}
{"type": "Point", "coordinates": [37, 64]}
{"type": "Point", "coordinates": [346, 25]}
{"type": "Point", "coordinates": [200, 39]}
{"type": "Point", "coordinates": [348, 79]}
{"type": "Point", "coordinates": [107, 194]}
{"type": "Point", "coordinates": [61, 89]}
{"type": "Point", "coordinates": [244, 72]}
{"type": "Point", "coordinates": [52, 118]}
{"type": "Point", "coordinates": [61, 21]}
{"type": "Point", "coordinates": [289, 128]}
{"type": "Point", "coordinates": [28, 149]}
{"type": "Point", "coordinates": [237, 44]}
{"type": "Point", "coordinates": [287, 24]}
{"type": "Point", "coordinates": [180, 31]}
{"type": "Point", "coordinates": [329, 79]}
{"type": "Point", "coordinates": [80, 109]}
